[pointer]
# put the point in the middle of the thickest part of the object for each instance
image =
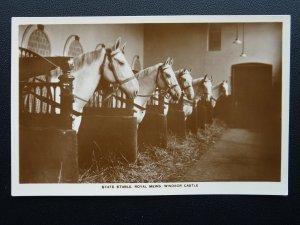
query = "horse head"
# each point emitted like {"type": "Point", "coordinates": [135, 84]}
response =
{"type": "Point", "coordinates": [185, 81]}
{"type": "Point", "coordinates": [166, 80]}
{"type": "Point", "coordinates": [207, 88]}
{"type": "Point", "coordinates": [115, 69]}
{"type": "Point", "coordinates": [204, 88]}
{"type": "Point", "coordinates": [224, 88]}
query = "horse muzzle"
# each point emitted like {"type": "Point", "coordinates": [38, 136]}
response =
{"type": "Point", "coordinates": [133, 94]}
{"type": "Point", "coordinates": [176, 96]}
{"type": "Point", "coordinates": [190, 96]}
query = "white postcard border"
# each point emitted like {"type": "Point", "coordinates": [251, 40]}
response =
{"type": "Point", "coordinates": [234, 188]}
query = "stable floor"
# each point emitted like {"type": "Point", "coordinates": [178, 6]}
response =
{"type": "Point", "coordinates": [239, 155]}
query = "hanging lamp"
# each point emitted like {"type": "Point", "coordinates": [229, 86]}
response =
{"type": "Point", "coordinates": [237, 40]}
{"type": "Point", "coordinates": [243, 54]}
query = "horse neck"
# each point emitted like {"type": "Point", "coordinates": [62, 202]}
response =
{"type": "Point", "coordinates": [177, 72]}
{"type": "Point", "coordinates": [198, 93]}
{"type": "Point", "coordinates": [147, 83]}
{"type": "Point", "coordinates": [216, 93]}
{"type": "Point", "coordinates": [86, 80]}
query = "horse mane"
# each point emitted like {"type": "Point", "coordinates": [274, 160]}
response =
{"type": "Point", "coordinates": [196, 86]}
{"type": "Point", "coordinates": [177, 72]}
{"type": "Point", "coordinates": [217, 85]}
{"type": "Point", "coordinates": [197, 81]}
{"type": "Point", "coordinates": [145, 72]}
{"type": "Point", "coordinates": [86, 59]}
{"type": "Point", "coordinates": [216, 89]}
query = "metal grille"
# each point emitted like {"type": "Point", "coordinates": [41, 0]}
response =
{"type": "Point", "coordinates": [39, 43]}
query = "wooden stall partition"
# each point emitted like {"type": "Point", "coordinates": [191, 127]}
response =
{"type": "Point", "coordinates": [153, 128]}
{"type": "Point", "coordinates": [48, 155]}
{"type": "Point", "coordinates": [175, 119]}
{"type": "Point", "coordinates": [48, 145]}
{"type": "Point", "coordinates": [108, 128]}
{"type": "Point", "coordinates": [192, 121]}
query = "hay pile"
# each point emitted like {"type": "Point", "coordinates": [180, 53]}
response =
{"type": "Point", "coordinates": [156, 164]}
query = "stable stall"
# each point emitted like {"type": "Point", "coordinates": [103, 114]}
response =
{"type": "Point", "coordinates": [108, 127]}
{"type": "Point", "coordinates": [48, 145]}
{"type": "Point", "coordinates": [153, 128]}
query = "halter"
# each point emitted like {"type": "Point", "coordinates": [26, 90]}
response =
{"type": "Point", "coordinates": [110, 55]}
{"type": "Point", "coordinates": [222, 90]}
{"type": "Point", "coordinates": [161, 70]}
{"type": "Point", "coordinates": [162, 91]}
{"type": "Point", "coordinates": [118, 83]}
{"type": "Point", "coordinates": [205, 93]}
{"type": "Point", "coordinates": [188, 102]}
{"type": "Point", "coordinates": [184, 87]}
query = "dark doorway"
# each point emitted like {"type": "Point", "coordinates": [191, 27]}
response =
{"type": "Point", "coordinates": [252, 95]}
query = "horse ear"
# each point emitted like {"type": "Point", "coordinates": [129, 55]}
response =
{"type": "Point", "coordinates": [167, 61]}
{"type": "Point", "coordinates": [123, 47]}
{"type": "Point", "coordinates": [211, 78]}
{"type": "Point", "coordinates": [190, 70]}
{"type": "Point", "coordinates": [171, 62]}
{"type": "Point", "coordinates": [205, 77]}
{"type": "Point", "coordinates": [117, 44]}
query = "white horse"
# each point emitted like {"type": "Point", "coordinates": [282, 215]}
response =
{"type": "Point", "coordinates": [185, 80]}
{"type": "Point", "coordinates": [186, 83]}
{"type": "Point", "coordinates": [222, 101]}
{"type": "Point", "coordinates": [203, 96]}
{"type": "Point", "coordinates": [203, 89]}
{"type": "Point", "coordinates": [90, 67]}
{"type": "Point", "coordinates": [160, 75]}
{"type": "Point", "coordinates": [221, 89]}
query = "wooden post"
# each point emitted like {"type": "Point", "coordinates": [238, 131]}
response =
{"type": "Point", "coordinates": [161, 103]}
{"type": "Point", "coordinates": [66, 99]}
{"type": "Point", "coordinates": [130, 106]}
{"type": "Point", "coordinates": [180, 102]}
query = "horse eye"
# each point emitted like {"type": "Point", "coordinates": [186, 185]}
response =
{"type": "Point", "coordinates": [120, 61]}
{"type": "Point", "coordinates": [168, 75]}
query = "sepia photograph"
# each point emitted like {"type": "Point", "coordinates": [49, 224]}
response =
{"type": "Point", "coordinates": [150, 105]}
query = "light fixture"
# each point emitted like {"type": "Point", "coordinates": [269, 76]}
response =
{"type": "Point", "coordinates": [243, 54]}
{"type": "Point", "coordinates": [237, 40]}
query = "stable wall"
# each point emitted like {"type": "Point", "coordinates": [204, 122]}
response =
{"type": "Point", "coordinates": [91, 35]}
{"type": "Point", "coordinates": [187, 44]}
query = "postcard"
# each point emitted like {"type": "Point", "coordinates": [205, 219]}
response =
{"type": "Point", "coordinates": [150, 105]}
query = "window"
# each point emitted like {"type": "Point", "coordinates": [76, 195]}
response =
{"type": "Point", "coordinates": [214, 37]}
{"type": "Point", "coordinates": [73, 47]}
{"type": "Point", "coordinates": [38, 42]}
